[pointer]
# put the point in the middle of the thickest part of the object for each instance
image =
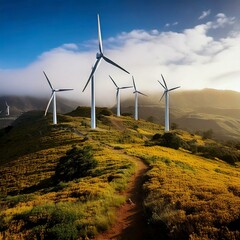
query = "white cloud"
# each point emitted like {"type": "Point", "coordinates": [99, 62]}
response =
{"type": "Point", "coordinates": [191, 58]}
{"type": "Point", "coordinates": [171, 24]}
{"type": "Point", "coordinates": [72, 46]}
{"type": "Point", "coordinates": [222, 20]}
{"type": "Point", "coordinates": [204, 14]}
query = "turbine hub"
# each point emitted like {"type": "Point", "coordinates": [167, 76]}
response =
{"type": "Point", "coordinates": [99, 55]}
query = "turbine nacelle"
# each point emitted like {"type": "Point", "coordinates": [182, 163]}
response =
{"type": "Point", "coordinates": [135, 88]}
{"type": "Point", "coordinates": [166, 90]}
{"type": "Point", "coordinates": [117, 87]}
{"type": "Point", "coordinates": [99, 55]}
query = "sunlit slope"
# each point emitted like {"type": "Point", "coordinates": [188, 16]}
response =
{"type": "Point", "coordinates": [185, 195]}
{"type": "Point", "coordinates": [34, 205]}
{"type": "Point", "coordinates": [188, 196]}
{"type": "Point", "coordinates": [195, 111]}
{"type": "Point", "coordinates": [223, 127]}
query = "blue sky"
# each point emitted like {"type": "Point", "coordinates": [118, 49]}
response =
{"type": "Point", "coordinates": [30, 27]}
{"type": "Point", "coordinates": [193, 43]}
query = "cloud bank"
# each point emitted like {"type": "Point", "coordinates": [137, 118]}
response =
{"type": "Point", "coordinates": [193, 59]}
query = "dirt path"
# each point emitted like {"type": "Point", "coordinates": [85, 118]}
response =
{"type": "Point", "coordinates": [130, 224]}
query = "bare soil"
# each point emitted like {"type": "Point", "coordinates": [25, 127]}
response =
{"type": "Point", "coordinates": [130, 221]}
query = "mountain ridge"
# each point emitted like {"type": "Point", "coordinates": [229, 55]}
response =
{"type": "Point", "coordinates": [190, 110]}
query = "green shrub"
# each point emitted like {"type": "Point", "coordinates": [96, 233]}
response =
{"type": "Point", "coordinates": [105, 112]}
{"type": "Point", "coordinates": [168, 139]}
{"type": "Point", "coordinates": [135, 127]}
{"type": "Point", "coordinates": [156, 137]}
{"type": "Point", "coordinates": [207, 134]}
{"type": "Point", "coordinates": [228, 155]}
{"type": "Point", "coordinates": [78, 162]}
{"type": "Point", "coordinates": [192, 146]}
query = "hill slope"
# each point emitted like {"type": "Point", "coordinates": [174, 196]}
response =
{"type": "Point", "coordinates": [195, 111]}
{"type": "Point", "coordinates": [36, 202]}
{"type": "Point", "coordinates": [21, 104]}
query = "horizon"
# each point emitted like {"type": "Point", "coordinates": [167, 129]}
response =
{"type": "Point", "coordinates": [194, 49]}
{"type": "Point", "coordinates": [151, 100]}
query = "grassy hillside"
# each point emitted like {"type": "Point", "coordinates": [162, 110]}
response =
{"type": "Point", "coordinates": [185, 194]}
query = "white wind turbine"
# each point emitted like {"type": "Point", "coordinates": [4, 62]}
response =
{"type": "Point", "coordinates": [136, 92]}
{"type": "Point", "coordinates": [166, 93]}
{"type": "Point", "coordinates": [53, 97]}
{"type": "Point", "coordinates": [118, 95]}
{"type": "Point", "coordinates": [7, 109]}
{"type": "Point", "coordinates": [99, 56]}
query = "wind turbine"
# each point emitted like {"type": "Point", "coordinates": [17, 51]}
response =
{"type": "Point", "coordinates": [53, 97]}
{"type": "Point", "coordinates": [7, 109]}
{"type": "Point", "coordinates": [99, 56]}
{"type": "Point", "coordinates": [118, 95]}
{"type": "Point", "coordinates": [136, 92]}
{"type": "Point", "coordinates": [166, 93]}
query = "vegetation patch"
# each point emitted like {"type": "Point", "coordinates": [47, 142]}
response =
{"type": "Point", "coordinates": [78, 162]}
{"type": "Point", "coordinates": [168, 139]}
{"type": "Point", "coordinates": [187, 198]}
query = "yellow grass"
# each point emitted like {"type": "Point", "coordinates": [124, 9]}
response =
{"type": "Point", "coordinates": [185, 190]}
{"type": "Point", "coordinates": [185, 193]}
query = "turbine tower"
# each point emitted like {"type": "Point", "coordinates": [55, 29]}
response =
{"type": "Point", "coordinates": [99, 56]}
{"type": "Point", "coordinates": [118, 95]}
{"type": "Point", "coordinates": [166, 93]}
{"type": "Point", "coordinates": [53, 97]}
{"type": "Point", "coordinates": [136, 92]}
{"type": "Point", "coordinates": [7, 109]}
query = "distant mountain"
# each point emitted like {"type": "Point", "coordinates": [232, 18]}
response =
{"type": "Point", "coordinates": [21, 104]}
{"type": "Point", "coordinates": [195, 111]}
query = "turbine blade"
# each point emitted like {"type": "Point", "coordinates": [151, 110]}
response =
{"type": "Point", "coordinates": [64, 89]}
{"type": "Point", "coordinates": [125, 87]}
{"type": "Point", "coordinates": [113, 63]}
{"type": "Point", "coordinates": [113, 82]}
{"type": "Point", "coordinates": [99, 35]}
{"type": "Point", "coordinates": [164, 81]}
{"type": "Point", "coordinates": [48, 104]}
{"type": "Point", "coordinates": [48, 80]}
{"type": "Point", "coordinates": [162, 96]}
{"type": "Point", "coordinates": [162, 84]}
{"type": "Point", "coordinates": [93, 71]}
{"type": "Point", "coordinates": [134, 85]}
{"type": "Point", "coordinates": [173, 88]}
{"type": "Point", "coordinates": [142, 93]}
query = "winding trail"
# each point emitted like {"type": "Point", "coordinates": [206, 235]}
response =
{"type": "Point", "coordinates": [130, 223]}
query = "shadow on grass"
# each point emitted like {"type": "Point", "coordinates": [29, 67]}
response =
{"type": "Point", "coordinates": [46, 185]}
